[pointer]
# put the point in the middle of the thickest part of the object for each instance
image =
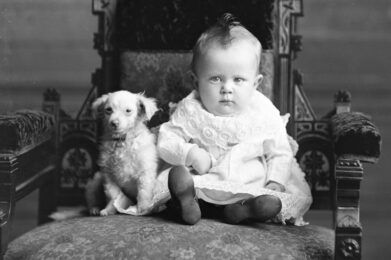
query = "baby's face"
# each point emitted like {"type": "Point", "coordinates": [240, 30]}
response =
{"type": "Point", "coordinates": [226, 78]}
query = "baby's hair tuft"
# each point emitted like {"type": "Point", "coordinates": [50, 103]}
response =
{"type": "Point", "coordinates": [227, 21]}
{"type": "Point", "coordinates": [226, 30]}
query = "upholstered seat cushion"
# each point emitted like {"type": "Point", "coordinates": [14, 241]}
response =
{"type": "Point", "coordinates": [156, 237]}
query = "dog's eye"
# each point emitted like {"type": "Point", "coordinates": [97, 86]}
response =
{"type": "Point", "coordinates": [108, 110]}
{"type": "Point", "coordinates": [128, 110]}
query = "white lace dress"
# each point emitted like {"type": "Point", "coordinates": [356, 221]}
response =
{"type": "Point", "coordinates": [247, 152]}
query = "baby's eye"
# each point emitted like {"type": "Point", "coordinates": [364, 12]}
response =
{"type": "Point", "coordinates": [215, 79]}
{"type": "Point", "coordinates": [108, 110]}
{"type": "Point", "coordinates": [239, 80]}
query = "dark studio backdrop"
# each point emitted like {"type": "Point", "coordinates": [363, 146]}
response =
{"type": "Point", "coordinates": [346, 45]}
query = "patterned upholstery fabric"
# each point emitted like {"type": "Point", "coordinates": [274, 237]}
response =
{"type": "Point", "coordinates": [24, 128]}
{"type": "Point", "coordinates": [156, 237]}
{"type": "Point", "coordinates": [164, 75]}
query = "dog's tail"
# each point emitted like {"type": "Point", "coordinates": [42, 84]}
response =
{"type": "Point", "coordinates": [69, 212]}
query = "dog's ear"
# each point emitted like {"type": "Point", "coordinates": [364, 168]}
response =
{"type": "Point", "coordinates": [147, 107]}
{"type": "Point", "coordinates": [97, 105]}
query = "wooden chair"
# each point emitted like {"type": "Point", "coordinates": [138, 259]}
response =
{"type": "Point", "coordinates": [144, 47]}
{"type": "Point", "coordinates": [28, 162]}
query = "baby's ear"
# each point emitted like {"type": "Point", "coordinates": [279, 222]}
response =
{"type": "Point", "coordinates": [98, 104]}
{"type": "Point", "coordinates": [147, 106]}
{"type": "Point", "coordinates": [258, 80]}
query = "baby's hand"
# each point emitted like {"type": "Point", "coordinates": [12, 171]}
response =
{"type": "Point", "coordinates": [272, 185]}
{"type": "Point", "coordinates": [199, 159]}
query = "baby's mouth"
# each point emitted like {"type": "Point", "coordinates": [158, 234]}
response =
{"type": "Point", "coordinates": [226, 101]}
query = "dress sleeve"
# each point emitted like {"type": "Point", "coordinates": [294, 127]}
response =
{"type": "Point", "coordinates": [278, 153]}
{"type": "Point", "coordinates": [278, 158]}
{"type": "Point", "coordinates": [173, 144]}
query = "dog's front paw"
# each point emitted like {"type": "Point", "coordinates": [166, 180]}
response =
{"type": "Point", "coordinates": [105, 212]}
{"type": "Point", "coordinates": [132, 210]}
{"type": "Point", "coordinates": [144, 208]}
{"type": "Point", "coordinates": [108, 211]}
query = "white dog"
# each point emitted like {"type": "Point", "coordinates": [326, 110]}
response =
{"type": "Point", "coordinates": [128, 158]}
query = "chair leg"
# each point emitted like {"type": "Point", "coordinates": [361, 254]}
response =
{"type": "Point", "coordinates": [5, 228]}
{"type": "Point", "coordinates": [4, 237]}
{"type": "Point", "coordinates": [348, 230]}
{"type": "Point", "coordinates": [8, 171]}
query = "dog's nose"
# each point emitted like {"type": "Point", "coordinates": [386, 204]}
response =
{"type": "Point", "coordinates": [114, 124]}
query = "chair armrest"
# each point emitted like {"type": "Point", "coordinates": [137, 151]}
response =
{"type": "Point", "coordinates": [24, 130]}
{"type": "Point", "coordinates": [356, 139]}
{"type": "Point", "coordinates": [27, 162]}
{"type": "Point", "coordinates": [355, 136]}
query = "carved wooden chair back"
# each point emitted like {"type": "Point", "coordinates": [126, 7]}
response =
{"type": "Point", "coordinates": [146, 47]}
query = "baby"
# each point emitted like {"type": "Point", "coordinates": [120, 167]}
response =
{"type": "Point", "coordinates": [227, 142]}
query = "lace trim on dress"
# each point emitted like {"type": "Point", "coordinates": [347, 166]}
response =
{"type": "Point", "coordinates": [222, 132]}
{"type": "Point", "coordinates": [293, 205]}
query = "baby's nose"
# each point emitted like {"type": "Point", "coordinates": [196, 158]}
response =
{"type": "Point", "coordinates": [226, 88]}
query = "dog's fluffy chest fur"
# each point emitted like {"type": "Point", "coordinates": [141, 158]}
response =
{"type": "Point", "coordinates": [120, 160]}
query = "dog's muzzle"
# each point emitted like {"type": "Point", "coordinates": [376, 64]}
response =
{"type": "Point", "coordinates": [120, 138]}
{"type": "Point", "coordinates": [114, 124]}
